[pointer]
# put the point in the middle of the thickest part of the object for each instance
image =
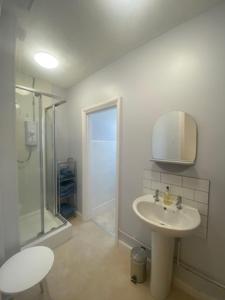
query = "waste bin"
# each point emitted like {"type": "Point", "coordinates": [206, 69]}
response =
{"type": "Point", "coordinates": [138, 264]}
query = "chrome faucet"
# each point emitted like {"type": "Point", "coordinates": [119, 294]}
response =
{"type": "Point", "coordinates": [179, 202]}
{"type": "Point", "coordinates": [156, 196]}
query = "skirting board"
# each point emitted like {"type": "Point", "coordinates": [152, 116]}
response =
{"type": "Point", "coordinates": [128, 241]}
{"type": "Point", "coordinates": [190, 290]}
{"type": "Point", "coordinates": [79, 213]}
{"type": "Point", "coordinates": [102, 207]}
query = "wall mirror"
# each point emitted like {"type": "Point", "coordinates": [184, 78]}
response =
{"type": "Point", "coordinates": [174, 138]}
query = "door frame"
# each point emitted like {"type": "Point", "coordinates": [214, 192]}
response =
{"type": "Point", "coordinates": [115, 102]}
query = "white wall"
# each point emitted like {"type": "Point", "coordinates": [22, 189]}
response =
{"type": "Point", "coordinates": [102, 172]}
{"type": "Point", "coordinates": [183, 69]}
{"type": "Point", "coordinates": [9, 235]}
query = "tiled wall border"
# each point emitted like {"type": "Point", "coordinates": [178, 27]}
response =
{"type": "Point", "coordinates": [194, 192]}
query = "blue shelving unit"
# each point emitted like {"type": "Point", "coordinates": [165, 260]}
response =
{"type": "Point", "coordinates": [66, 188]}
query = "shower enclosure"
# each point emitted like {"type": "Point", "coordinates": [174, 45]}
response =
{"type": "Point", "coordinates": [36, 161]}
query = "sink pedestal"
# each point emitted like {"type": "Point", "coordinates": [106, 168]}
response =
{"type": "Point", "coordinates": [161, 265]}
{"type": "Point", "coordinates": [166, 224]}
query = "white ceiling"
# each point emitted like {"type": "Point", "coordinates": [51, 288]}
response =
{"type": "Point", "coordinates": [86, 35]}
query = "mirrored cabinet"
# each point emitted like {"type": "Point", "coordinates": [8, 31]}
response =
{"type": "Point", "coordinates": [174, 139]}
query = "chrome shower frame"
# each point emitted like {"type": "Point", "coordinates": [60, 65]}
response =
{"type": "Point", "coordinates": [39, 94]}
{"type": "Point", "coordinates": [54, 170]}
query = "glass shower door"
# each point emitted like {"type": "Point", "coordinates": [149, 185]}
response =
{"type": "Point", "coordinates": [29, 164]}
{"type": "Point", "coordinates": [36, 161]}
{"type": "Point", "coordinates": [50, 159]}
{"type": "Point", "coordinates": [53, 218]}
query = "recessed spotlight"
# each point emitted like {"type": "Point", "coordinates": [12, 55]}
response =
{"type": "Point", "coordinates": [46, 60]}
{"type": "Point", "coordinates": [17, 105]}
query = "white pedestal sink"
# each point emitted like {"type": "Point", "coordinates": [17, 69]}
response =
{"type": "Point", "coordinates": [166, 223]}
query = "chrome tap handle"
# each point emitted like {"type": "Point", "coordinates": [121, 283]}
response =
{"type": "Point", "coordinates": [179, 202]}
{"type": "Point", "coordinates": [156, 196]}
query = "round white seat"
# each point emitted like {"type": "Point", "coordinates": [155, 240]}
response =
{"type": "Point", "coordinates": [25, 269]}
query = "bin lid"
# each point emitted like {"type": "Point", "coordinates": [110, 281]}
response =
{"type": "Point", "coordinates": [138, 254]}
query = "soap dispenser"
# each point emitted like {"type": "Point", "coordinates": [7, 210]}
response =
{"type": "Point", "coordinates": [167, 199]}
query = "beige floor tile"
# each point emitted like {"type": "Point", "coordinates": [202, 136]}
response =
{"type": "Point", "coordinates": [92, 266]}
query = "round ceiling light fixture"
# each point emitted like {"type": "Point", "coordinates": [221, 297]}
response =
{"type": "Point", "coordinates": [46, 60]}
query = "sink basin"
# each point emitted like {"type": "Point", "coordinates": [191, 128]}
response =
{"type": "Point", "coordinates": [167, 220]}
{"type": "Point", "coordinates": [166, 223]}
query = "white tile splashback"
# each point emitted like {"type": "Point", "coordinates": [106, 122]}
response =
{"type": "Point", "coordinates": [196, 183]}
{"type": "Point", "coordinates": [194, 191]}
{"type": "Point", "coordinates": [171, 179]}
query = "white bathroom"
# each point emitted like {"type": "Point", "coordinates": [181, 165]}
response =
{"type": "Point", "coordinates": [112, 156]}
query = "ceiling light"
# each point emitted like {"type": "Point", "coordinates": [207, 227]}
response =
{"type": "Point", "coordinates": [17, 105]}
{"type": "Point", "coordinates": [46, 60]}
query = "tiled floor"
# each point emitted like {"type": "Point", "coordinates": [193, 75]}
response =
{"type": "Point", "coordinates": [91, 266]}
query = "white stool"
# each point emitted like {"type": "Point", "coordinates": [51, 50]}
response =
{"type": "Point", "coordinates": [26, 269]}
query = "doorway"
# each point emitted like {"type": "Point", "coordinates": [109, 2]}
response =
{"type": "Point", "coordinates": [101, 165]}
